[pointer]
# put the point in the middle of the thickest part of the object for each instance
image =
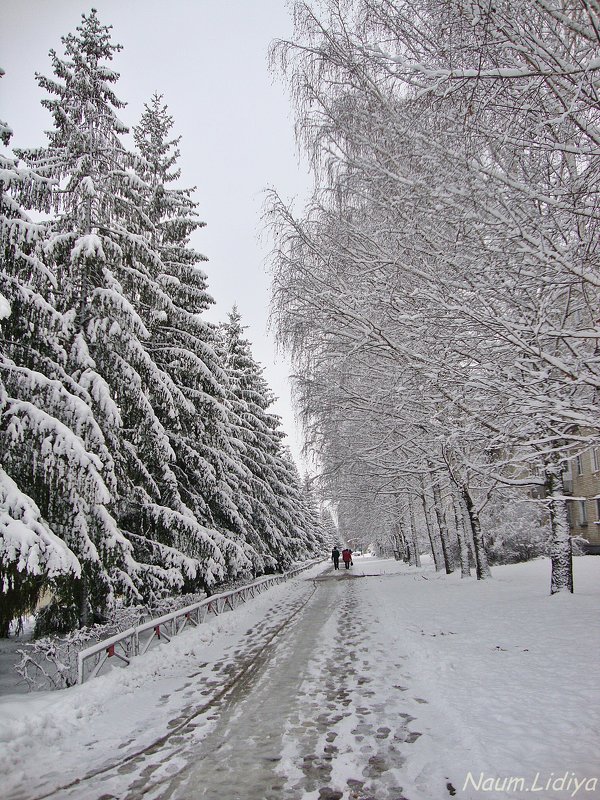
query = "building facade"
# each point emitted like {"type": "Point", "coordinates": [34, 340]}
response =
{"type": "Point", "coordinates": [582, 483]}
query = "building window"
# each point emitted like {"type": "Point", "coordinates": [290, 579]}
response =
{"type": "Point", "coordinates": [598, 509]}
{"type": "Point", "coordinates": [595, 459]}
{"type": "Point", "coordinates": [579, 465]}
{"type": "Point", "coordinates": [582, 512]}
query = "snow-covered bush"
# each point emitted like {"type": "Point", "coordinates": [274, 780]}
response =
{"type": "Point", "coordinates": [516, 530]}
{"type": "Point", "coordinates": [50, 662]}
{"type": "Point", "coordinates": [56, 617]}
{"type": "Point", "coordinates": [579, 545]}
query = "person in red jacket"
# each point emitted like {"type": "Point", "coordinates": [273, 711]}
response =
{"type": "Point", "coordinates": [347, 557]}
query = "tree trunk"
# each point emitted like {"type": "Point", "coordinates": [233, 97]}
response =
{"type": "Point", "coordinates": [402, 540]}
{"type": "Point", "coordinates": [444, 536]}
{"type": "Point", "coordinates": [463, 545]}
{"type": "Point", "coordinates": [401, 544]}
{"type": "Point", "coordinates": [84, 616]}
{"type": "Point", "coordinates": [561, 554]}
{"type": "Point", "coordinates": [413, 534]}
{"type": "Point", "coordinates": [433, 540]}
{"type": "Point", "coordinates": [481, 563]}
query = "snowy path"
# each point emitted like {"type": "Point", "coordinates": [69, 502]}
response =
{"type": "Point", "coordinates": [278, 727]}
{"type": "Point", "coordinates": [397, 683]}
{"type": "Point", "coordinates": [289, 711]}
{"type": "Point", "coordinates": [299, 705]}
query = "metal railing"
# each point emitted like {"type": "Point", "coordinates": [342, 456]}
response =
{"type": "Point", "coordinates": [137, 640]}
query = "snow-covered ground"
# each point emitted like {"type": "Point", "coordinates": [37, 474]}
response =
{"type": "Point", "coordinates": [397, 684]}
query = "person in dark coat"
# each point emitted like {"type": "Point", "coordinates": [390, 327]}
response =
{"type": "Point", "coordinates": [335, 557]}
{"type": "Point", "coordinates": [347, 556]}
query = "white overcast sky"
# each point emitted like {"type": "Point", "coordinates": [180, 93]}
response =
{"type": "Point", "coordinates": [209, 60]}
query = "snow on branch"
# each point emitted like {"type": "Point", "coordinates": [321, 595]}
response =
{"type": "Point", "coordinates": [26, 540]}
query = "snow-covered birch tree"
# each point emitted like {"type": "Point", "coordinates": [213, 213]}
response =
{"type": "Point", "coordinates": [458, 250]}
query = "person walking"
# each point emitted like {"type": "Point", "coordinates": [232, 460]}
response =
{"type": "Point", "coordinates": [335, 557]}
{"type": "Point", "coordinates": [347, 557]}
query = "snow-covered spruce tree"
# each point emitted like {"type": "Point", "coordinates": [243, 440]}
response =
{"type": "Point", "coordinates": [328, 527]}
{"type": "Point", "coordinates": [208, 476]}
{"type": "Point", "coordinates": [281, 518]}
{"type": "Point", "coordinates": [104, 263]}
{"type": "Point", "coordinates": [252, 443]}
{"type": "Point", "coordinates": [317, 536]}
{"type": "Point", "coordinates": [298, 511]}
{"type": "Point", "coordinates": [53, 489]}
